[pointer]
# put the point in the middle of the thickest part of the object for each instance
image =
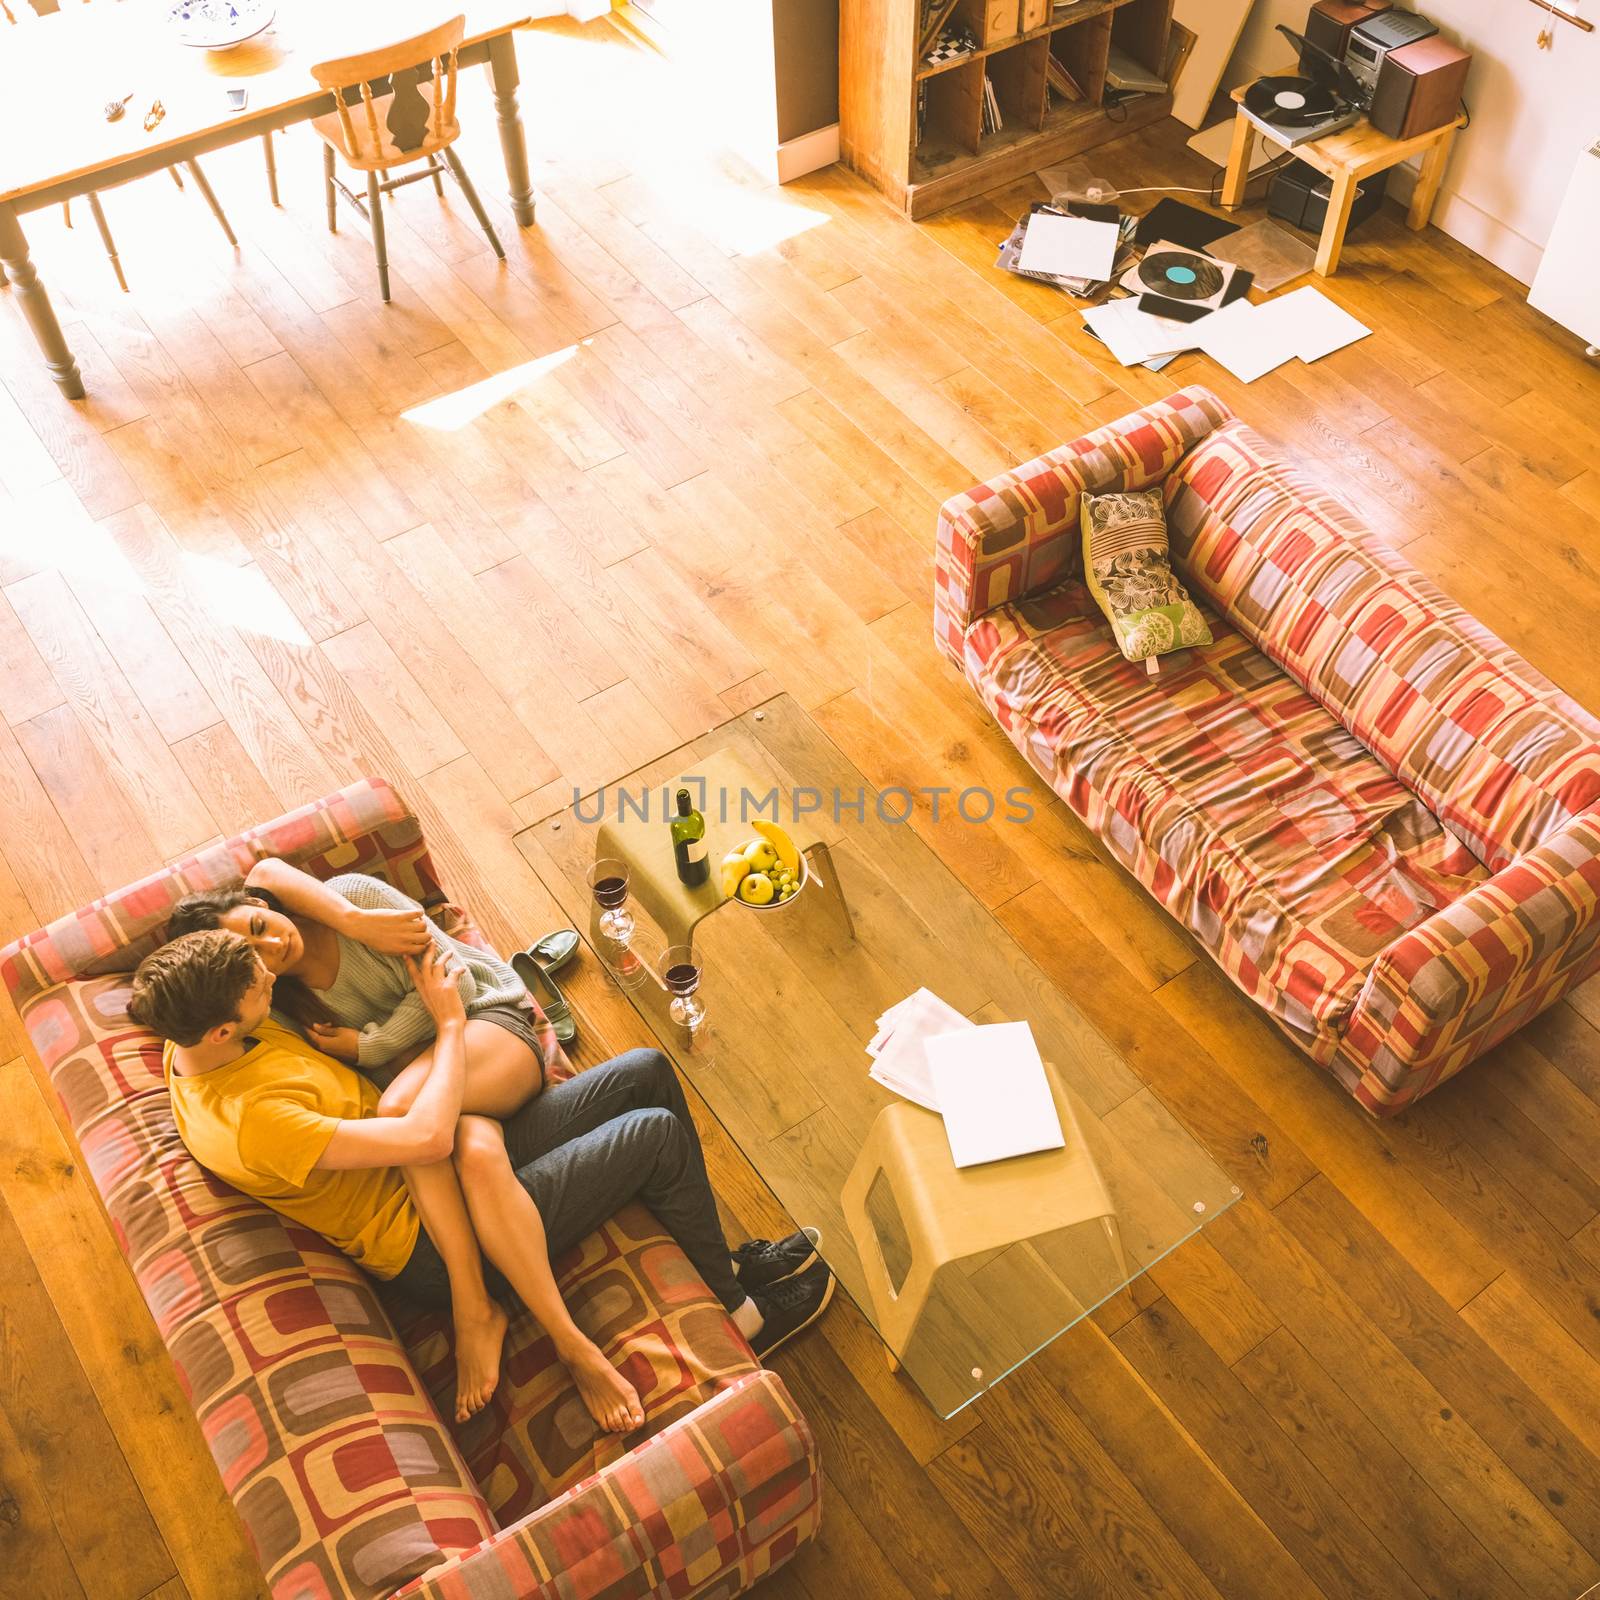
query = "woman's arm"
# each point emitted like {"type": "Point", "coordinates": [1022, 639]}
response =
{"type": "Point", "coordinates": [426, 1132]}
{"type": "Point", "coordinates": [387, 922]}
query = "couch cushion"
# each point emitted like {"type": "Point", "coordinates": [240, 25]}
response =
{"type": "Point", "coordinates": [345, 1479]}
{"type": "Point", "coordinates": [1493, 748]}
{"type": "Point", "coordinates": [1249, 812]}
{"type": "Point", "coordinates": [633, 1291]}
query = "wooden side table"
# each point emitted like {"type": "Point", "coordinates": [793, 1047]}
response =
{"type": "Point", "coordinates": [1346, 157]}
{"type": "Point", "coordinates": [728, 792]}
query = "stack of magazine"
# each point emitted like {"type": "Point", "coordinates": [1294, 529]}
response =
{"type": "Point", "coordinates": [1084, 288]}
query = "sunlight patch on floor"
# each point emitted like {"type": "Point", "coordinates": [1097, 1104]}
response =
{"type": "Point", "coordinates": [242, 598]}
{"type": "Point", "coordinates": [455, 410]}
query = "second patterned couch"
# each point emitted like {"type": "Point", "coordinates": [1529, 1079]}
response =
{"type": "Point", "coordinates": [1378, 819]}
{"type": "Point", "coordinates": [324, 1420]}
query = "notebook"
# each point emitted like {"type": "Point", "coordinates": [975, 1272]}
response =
{"type": "Point", "coordinates": [994, 1093]}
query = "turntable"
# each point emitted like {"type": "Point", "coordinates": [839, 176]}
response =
{"type": "Point", "coordinates": [1292, 110]}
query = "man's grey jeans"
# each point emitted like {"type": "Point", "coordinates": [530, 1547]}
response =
{"type": "Point", "coordinates": [583, 1149]}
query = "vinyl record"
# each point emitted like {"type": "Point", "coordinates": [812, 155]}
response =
{"type": "Point", "coordinates": [1294, 102]}
{"type": "Point", "coordinates": [1181, 275]}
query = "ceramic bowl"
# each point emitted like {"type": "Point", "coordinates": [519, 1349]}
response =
{"type": "Point", "coordinates": [216, 24]}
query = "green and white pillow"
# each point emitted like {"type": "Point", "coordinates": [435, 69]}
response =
{"type": "Point", "coordinates": [1129, 572]}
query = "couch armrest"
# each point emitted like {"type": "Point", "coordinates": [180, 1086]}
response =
{"type": "Point", "coordinates": [722, 1497]}
{"type": "Point", "coordinates": [1019, 532]}
{"type": "Point", "coordinates": [364, 827]}
{"type": "Point", "coordinates": [1476, 970]}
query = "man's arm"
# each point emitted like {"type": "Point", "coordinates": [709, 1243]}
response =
{"type": "Point", "coordinates": [427, 1132]}
{"type": "Point", "coordinates": [394, 924]}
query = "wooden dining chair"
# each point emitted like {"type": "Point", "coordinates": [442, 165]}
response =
{"type": "Point", "coordinates": [376, 132]}
{"type": "Point", "coordinates": [44, 8]}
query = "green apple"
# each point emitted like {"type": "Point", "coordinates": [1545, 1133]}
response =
{"type": "Point", "coordinates": [756, 889]}
{"type": "Point", "coordinates": [761, 856]}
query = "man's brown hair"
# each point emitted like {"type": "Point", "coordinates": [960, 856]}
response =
{"type": "Point", "coordinates": [192, 985]}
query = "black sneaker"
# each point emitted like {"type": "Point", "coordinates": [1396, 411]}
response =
{"type": "Point", "coordinates": [790, 1306]}
{"type": "Point", "coordinates": [761, 1262]}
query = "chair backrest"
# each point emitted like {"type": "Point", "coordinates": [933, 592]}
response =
{"type": "Point", "coordinates": [435, 49]}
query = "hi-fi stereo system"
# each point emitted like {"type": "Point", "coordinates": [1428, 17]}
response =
{"type": "Point", "coordinates": [1358, 56]}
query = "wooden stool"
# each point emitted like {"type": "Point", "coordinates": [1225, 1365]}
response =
{"type": "Point", "coordinates": [952, 1213]}
{"type": "Point", "coordinates": [1346, 157]}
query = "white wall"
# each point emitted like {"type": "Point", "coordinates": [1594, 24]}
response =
{"type": "Point", "coordinates": [1533, 110]}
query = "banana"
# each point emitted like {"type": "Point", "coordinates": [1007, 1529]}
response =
{"type": "Point", "coordinates": [781, 842]}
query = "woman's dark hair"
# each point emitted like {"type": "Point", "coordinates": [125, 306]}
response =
{"type": "Point", "coordinates": [205, 909]}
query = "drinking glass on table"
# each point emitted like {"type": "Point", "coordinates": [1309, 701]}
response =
{"type": "Point", "coordinates": [681, 974]}
{"type": "Point", "coordinates": [608, 883]}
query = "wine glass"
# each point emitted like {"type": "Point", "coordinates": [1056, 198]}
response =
{"type": "Point", "coordinates": [608, 883]}
{"type": "Point", "coordinates": [681, 975]}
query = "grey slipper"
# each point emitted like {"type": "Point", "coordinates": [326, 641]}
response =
{"type": "Point", "coordinates": [538, 982]}
{"type": "Point", "coordinates": [555, 950]}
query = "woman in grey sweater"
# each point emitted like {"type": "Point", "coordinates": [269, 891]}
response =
{"type": "Point", "coordinates": [338, 951]}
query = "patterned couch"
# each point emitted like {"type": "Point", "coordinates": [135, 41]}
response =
{"type": "Point", "coordinates": [325, 1424]}
{"type": "Point", "coordinates": [1377, 818]}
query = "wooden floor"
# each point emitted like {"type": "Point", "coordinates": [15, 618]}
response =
{"type": "Point", "coordinates": [530, 526]}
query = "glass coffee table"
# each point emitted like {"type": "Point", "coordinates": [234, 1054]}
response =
{"type": "Point", "coordinates": [964, 1273]}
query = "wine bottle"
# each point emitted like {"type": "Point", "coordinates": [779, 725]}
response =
{"type": "Point", "coordinates": [689, 843]}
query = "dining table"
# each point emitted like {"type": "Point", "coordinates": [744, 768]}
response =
{"type": "Point", "coordinates": [62, 71]}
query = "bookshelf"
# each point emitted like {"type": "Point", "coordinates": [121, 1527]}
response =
{"type": "Point", "coordinates": [946, 156]}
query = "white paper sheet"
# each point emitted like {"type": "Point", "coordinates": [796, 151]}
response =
{"type": "Point", "coordinates": [994, 1093]}
{"type": "Point", "coordinates": [1069, 247]}
{"type": "Point", "coordinates": [899, 1048]}
{"type": "Point", "coordinates": [1134, 336]}
{"type": "Point", "coordinates": [1311, 323]}
{"type": "Point", "coordinates": [1244, 341]}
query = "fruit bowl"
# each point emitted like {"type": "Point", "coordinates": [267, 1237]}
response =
{"type": "Point", "coordinates": [800, 880]}
{"type": "Point", "coordinates": [216, 24]}
{"type": "Point", "coordinates": [766, 872]}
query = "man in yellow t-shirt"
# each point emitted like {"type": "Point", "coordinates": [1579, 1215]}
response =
{"type": "Point", "coordinates": [302, 1132]}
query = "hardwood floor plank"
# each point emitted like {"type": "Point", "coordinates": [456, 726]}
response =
{"type": "Point", "coordinates": [112, 1542]}
{"type": "Point", "coordinates": [1441, 1555]}
{"type": "Point", "coordinates": [1528, 1438]}
{"type": "Point", "coordinates": [227, 780]}
{"type": "Point", "coordinates": [226, 669]}
{"type": "Point", "coordinates": [1510, 1319]}
{"type": "Point", "coordinates": [1392, 1382]}
{"type": "Point", "coordinates": [1306, 1512]}
{"type": "Point", "coordinates": [29, 1542]}
{"type": "Point", "coordinates": [111, 715]}
{"type": "Point", "coordinates": [87, 798]}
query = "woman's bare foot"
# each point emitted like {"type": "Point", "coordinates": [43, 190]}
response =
{"type": "Point", "coordinates": [612, 1401]}
{"type": "Point", "coordinates": [478, 1341]}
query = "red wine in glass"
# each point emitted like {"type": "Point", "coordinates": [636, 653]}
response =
{"type": "Point", "coordinates": [681, 975]}
{"type": "Point", "coordinates": [608, 883]}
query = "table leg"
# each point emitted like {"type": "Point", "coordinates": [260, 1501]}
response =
{"type": "Point", "coordinates": [1428, 180]}
{"type": "Point", "coordinates": [829, 875]}
{"type": "Point", "coordinates": [503, 70]}
{"type": "Point", "coordinates": [1238, 173]}
{"type": "Point", "coordinates": [1334, 224]}
{"type": "Point", "coordinates": [272, 167]}
{"type": "Point", "coordinates": [36, 306]}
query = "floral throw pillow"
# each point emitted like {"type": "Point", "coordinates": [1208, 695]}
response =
{"type": "Point", "coordinates": [1129, 574]}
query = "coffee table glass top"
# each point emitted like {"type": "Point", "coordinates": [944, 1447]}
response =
{"type": "Point", "coordinates": [965, 1273]}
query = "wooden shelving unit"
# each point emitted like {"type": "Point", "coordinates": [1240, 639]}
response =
{"type": "Point", "coordinates": [882, 78]}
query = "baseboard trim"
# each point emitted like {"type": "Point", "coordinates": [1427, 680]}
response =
{"type": "Point", "coordinates": [809, 153]}
{"type": "Point", "coordinates": [1472, 226]}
